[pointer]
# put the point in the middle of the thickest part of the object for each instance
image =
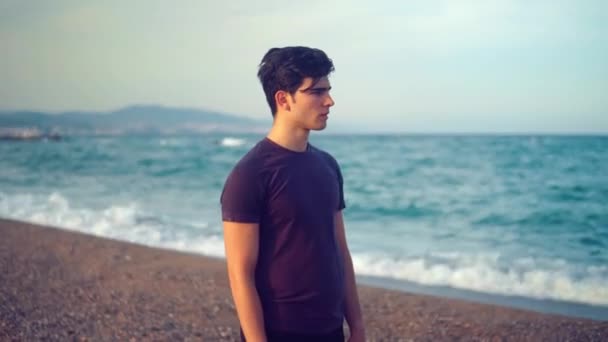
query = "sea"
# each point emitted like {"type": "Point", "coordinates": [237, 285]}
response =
{"type": "Point", "coordinates": [516, 220]}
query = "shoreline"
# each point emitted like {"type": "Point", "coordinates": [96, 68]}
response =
{"type": "Point", "coordinates": [60, 284]}
{"type": "Point", "coordinates": [542, 306]}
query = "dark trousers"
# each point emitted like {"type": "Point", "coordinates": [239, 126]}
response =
{"type": "Point", "coordinates": [276, 336]}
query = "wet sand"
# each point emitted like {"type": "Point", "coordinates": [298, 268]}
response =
{"type": "Point", "coordinates": [60, 285]}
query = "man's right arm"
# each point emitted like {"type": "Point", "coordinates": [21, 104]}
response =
{"type": "Point", "coordinates": [241, 241]}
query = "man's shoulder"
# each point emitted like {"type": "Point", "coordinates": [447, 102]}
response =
{"type": "Point", "coordinates": [326, 156]}
{"type": "Point", "coordinates": [254, 160]}
{"type": "Point", "coordinates": [245, 173]}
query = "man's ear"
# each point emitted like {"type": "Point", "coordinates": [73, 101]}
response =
{"type": "Point", "coordinates": [282, 98]}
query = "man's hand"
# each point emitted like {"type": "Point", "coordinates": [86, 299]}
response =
{"type": "Point", "coordinates": [357, 335]}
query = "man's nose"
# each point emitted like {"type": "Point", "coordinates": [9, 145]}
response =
{"type": "Point", "coordinates": [329, 101]}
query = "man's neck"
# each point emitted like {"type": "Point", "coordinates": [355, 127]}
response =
{"type": "Point", "coordinates": [291, 138]}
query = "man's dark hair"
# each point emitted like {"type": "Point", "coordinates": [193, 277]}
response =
{"type": "Point", "coordinates": [286, 68]}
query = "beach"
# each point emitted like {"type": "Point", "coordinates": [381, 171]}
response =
{"type": "Point", "coordinates": [61, 285]}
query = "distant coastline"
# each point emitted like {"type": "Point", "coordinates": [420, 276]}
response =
{"type": "Point", "coordinates": [139, 119]}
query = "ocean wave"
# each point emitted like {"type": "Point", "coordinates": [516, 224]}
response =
{"type": "Point", "coordinates": [127, 222]}
{"type": "Point", "coordinates": [488, 273]}
{"type": "Point", "coordinates": [231, 142]}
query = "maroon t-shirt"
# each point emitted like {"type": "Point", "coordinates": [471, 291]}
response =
{"type": "Point", "coordinates": [294, 197]}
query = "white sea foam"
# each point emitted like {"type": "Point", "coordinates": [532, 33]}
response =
{"type": "Point", "coordinates": [232, 142]}
{"type": "Point", "coordinates": [127, 222]}
{"type": "Point", "coordinates": [485, 273]}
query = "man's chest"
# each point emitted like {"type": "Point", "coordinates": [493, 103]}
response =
{"type": "Point", "coordinates": [303, 191]}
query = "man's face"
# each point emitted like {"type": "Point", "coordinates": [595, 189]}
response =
{"type": "Point", "coordinates": [310, 104]}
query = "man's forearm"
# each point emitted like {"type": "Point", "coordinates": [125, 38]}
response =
{"type": "Point", "coordinates": [249, 310]}
{"type": "Point", "coordinates": [353, 314]}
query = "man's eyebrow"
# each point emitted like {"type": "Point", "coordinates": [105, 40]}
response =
{"type": "Point", "coordinates": [310, 89]}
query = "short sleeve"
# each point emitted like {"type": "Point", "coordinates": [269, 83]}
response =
{"type": "Point", "coordinates": [241, 198]}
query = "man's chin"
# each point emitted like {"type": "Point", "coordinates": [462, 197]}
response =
{"type": "Point", "coordinates": [319, 127]}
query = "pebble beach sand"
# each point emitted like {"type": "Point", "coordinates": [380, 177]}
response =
{"type": "Point", "coordinates": [58, 285]}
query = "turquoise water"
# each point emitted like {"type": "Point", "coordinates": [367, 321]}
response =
{"type": "Point", "coordinates": [510, 215]}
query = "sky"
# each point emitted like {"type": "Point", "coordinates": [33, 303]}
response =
{"type": "Point", "coordinates": [409, 66]}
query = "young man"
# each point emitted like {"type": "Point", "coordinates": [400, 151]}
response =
{"type": "Point", "coordinates": [290, 269]}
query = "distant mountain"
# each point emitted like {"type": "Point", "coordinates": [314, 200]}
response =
{"type": "Point", "coordinates": [140, 119]}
